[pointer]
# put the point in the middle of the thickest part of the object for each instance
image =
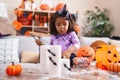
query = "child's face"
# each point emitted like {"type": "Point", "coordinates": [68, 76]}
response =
{"type": "Point", "coordinates": [61, 25]}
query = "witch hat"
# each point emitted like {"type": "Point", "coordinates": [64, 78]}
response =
{"type": "Point", "coordinates": [63, 11]}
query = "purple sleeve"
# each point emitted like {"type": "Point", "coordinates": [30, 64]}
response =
{"type": "Point", "coordinates": [75, 40]}
{"type": "Point", "coordinates": [51, 40]}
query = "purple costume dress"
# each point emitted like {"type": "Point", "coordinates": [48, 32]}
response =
{"type": "Point", "coordinates": [66, 40]}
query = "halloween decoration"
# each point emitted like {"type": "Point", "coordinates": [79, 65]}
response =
{"type": "Point", "coordinates": [101, 65]}
{"type": "Point", "coordinates": [115, 67]}
{"type": "Point", "coordinates": [27, 33]}
{"type": "Point", "coordinates": [18, 12]}
{"type": "Point", "coordinates": [105, 55]}
{"type": "Point", "coordinates": [24, 21]}
{"type": "Point", "coordinates": [37, 17]}
{"type": "Point", "coordinates": [22, 6]}
{"type": "Point", "coordinates": [30, 16]}
{"type": "Point", "coordinates": [17, 25]}
{"type": "Point", "coordinates": [59, 6]}
{"type": "Point", "coordinates": [86, 51]}
{"type": "Point", "coordinates": [14, 69]}
{"type": "Point", "coordinates": [97, 44]}
{"type": "Point", "coordinates": [44, 7]}
{"type": "Point", "coordinates": [64, 12]}
{"type": "Point", "coordinates": [81, 62]}
{"type": "Point", "coordinates": [24, 17]}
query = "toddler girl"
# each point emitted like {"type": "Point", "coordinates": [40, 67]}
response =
{"type": "Point", "coordinates": [62, 33]}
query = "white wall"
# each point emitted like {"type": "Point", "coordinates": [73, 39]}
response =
{"type": "Point", "coordinates": [74, 5]}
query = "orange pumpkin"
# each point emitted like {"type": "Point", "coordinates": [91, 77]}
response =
{"type": "Point", "coordinates": [59, 6]}
{"type": "Point", "coordinates": [97, 44]}
{"type": "Point", "coordinates": [25, 21]}
{"type": "Point", "coordinates": [107, 54]}
{"type": "Point", "coordinates": [30, 16]}
{"type": "Point", "coordinates": [27, 33]}
{"type": "Point", "coordinates": [86, 51]}
{"type": "Point", "coordinates": [14, 69]}
{"type": "Point", "coordinates": [17, 25]}
{"type": "Point", "coordinates": [36, 17]}
{"type": "Point", "coordinates": [21, 6]}
{"type": "Point", "coordinates": [19, 13]}
{"type": "Point", "coordinates": [101, 65]}
{"type": "Point", "coordinates": [115, 67]}
{"type": "Point", "coordinates": [44, 7]}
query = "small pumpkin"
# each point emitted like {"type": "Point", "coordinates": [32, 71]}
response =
{"type": "Point", "coordinates": [19, 13]}
{"type": "Point", "coordinates": [14, 69]}
{"type": "Point", "coordinates": [17, 25]}
{"type": "Point", "coordinates": [59, 6]}
{"type": "Point", "coordinates": [97, 44]}
{"type": "Point", "coordinates": [44, 7]}
{"type": "Point", "coordinates": [101, 65]}
{"type": "Point", "coordinates": [86, 51]}
{"type": "Point", "coordinates": [27, 33]}
{"type": "Point", "coordinates": [24, 21]}
{"type": "Point", "coordinates": [115, 67]}
{"type": "Point", "coordinates": [30, 16]}
{"type": "Point", "coordinates": [21, 6]}
{"type": "Point", "coordinates": [37, 17]}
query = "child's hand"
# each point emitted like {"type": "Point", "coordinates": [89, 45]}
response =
{"type": "Point", "coordinates": [76, 61]}
{"type": "Point", "coordinates": [66, 54]}
{"type": "Point", "coordinates": [38, 42]}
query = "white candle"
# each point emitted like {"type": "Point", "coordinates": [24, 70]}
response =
{"type": "Point", "coordinates": [55, 60]}
{"type": "Point", "coordinates": [65, 63]}
{"type": "Point", "coordinates": [44, 59]}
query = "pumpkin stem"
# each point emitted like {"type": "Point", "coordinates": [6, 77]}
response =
{"type": "Point", "coordinates": [12, 63]}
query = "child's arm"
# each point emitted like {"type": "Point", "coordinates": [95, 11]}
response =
{"type": "Point", "coordinates": [68, 52]}
{"type": "Point", "coordinates": [38, 42]}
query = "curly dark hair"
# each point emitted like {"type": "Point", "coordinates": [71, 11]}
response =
{"type": "Point", "coordinates": [53, 18]}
